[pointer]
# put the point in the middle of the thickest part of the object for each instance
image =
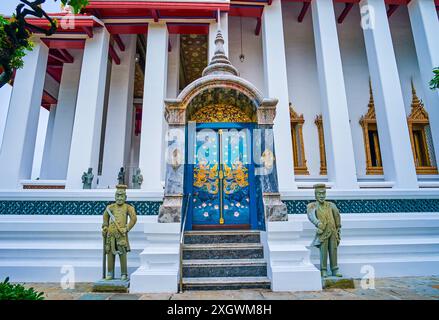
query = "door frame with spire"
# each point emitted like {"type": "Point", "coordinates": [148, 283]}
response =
{"type": "Point", "coordinates": [221, 76]}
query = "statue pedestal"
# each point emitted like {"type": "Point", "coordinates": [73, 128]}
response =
{"type": "Point", "coordinates": [159, 261]}
{"type": "Point", "coordinates": [289, 265]}
{"type": "Point", "coordinates": [338, 282]}
{"type": "Point", "coordinates": [116, 285]}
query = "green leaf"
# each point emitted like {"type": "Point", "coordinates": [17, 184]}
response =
{"type": "Point", "coordinates": [17, 291]}
{"type": "Point", "coordinates": [434, 83]}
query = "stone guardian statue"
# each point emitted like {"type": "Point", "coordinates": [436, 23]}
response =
{"type": "Point", "coordinates": [119, 218]}
{"type": "Point", "coordinates": [87, 179]}
{"type": "Point", "coordinates": [326, 217]}
{"type": "Point", "coordinates": [121, 176]}
{"type": "Point", "coordinates": [137, 179]}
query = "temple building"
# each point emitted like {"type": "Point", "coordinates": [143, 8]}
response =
{"type": "Point", "coordinates": [223, 114]}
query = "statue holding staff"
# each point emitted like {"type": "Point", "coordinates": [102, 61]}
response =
{"type": "Point", "coordinates": [119, 218]}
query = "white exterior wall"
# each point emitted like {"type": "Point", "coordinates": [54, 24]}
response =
{"type": "Point", "coordinates": [303, 85]}
{"type": "Point", "coordinates": [5, 96]}
{"type": "Point", "coordinates": [303, 77]}
{"type": "Point", "coordinates": [356, 76]}
{"type": "Point", "coordinates": [59, 154]}
{"type": "Point", "coordinates": [302, 74]}
{"type": "Point", "coordinates": [250, 69]}
{"type": "Point", "coordinates": [405, 53]}
{"type": "Point", "coordinates": [84, 151]}
{"type": "Point", "coordinates": [117, 144]}
{"type": "Point", "coordinates": [43, 120]}
{"type": "Point", "coordinates": [396, 244]}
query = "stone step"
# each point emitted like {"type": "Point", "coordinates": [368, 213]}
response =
{"type": "Point", "coordinates": [227, 283]}
{"type": "Point", "coordinates": [223, 236]}
{"type": "Point", "coordinates": [223, 251]}
{"type": "Point", "coordinates": [224, 268]}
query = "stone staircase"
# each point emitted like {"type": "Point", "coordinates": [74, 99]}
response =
{"type": "Point", "coordinates": [224, 260]}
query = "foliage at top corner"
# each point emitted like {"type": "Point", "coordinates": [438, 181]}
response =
{"type": "Point", "coordinates": [434, 83]}
{"type": "Point", "coordinates": [77, 5]}
{"type": "Point", "coordinates": [16, 31]}
{"type": "Point", "coordinates": [9, 291]}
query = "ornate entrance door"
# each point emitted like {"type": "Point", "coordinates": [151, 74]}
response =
{"type": "Point", "coordinates": [222, 196]}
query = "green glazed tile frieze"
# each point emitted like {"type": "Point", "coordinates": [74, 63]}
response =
{"type": "Point", "coordinates": [371, 206]}
{"type": "Point", "coordinates": [28, 207]}
{"type": "Point", "coordinates": [71, 207]}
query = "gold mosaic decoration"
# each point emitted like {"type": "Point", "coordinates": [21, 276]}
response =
{"type": "Point", "coordinates": [193, 56]}
{"type": "Point", "coordinates": [206, 176]}
{"type": "Point", "coordinates": [138, 82]}
{"type": "Point", "coordinates": [235, 177]}
{"type": "Point", "coordinates": [220, 113]}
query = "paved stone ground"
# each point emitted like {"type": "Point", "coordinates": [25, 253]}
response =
{"type": "Point", "coordinates": [407, 288]}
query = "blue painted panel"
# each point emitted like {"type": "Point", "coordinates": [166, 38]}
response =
{"type": "Point", "coordinates": [205, 184]}
{"type": "Point", "coordinates": [235, 193]}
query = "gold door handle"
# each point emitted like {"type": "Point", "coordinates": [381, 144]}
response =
{"type": "Point", "coordinates": [221, 174]}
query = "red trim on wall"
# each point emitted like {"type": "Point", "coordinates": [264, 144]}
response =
{"type": "Point", "coordinates": [345, 12]}
{"type": "Point", "coordinates": [64, 43]}
{"type": "Point", "coordinates": [80, 26]}
{"type": "Point", "coordinates": [392, 9]}
{"type": "Point", "coordinates": [188, 28]}
{"type": "Point", "coordinates": [138, 119]}
{"type": "Point", "coordinates": [127, 28]}
{"type": "Point", "coordinates": [113, 55]}
{"type": "Point", "coordinates": [55, 72]}
{"type": "Point", "coordinates": [158, 5]}
{"type": "Point", "coordinates": [258, 26]}
{"type": "Point", "coordinates": [242, 10]}
{"type": "Point", "coordinates": [303, 12]}
{"type": "Point", "coordinates": [119, 42]}
{"type": "Point", "coordinates": [47, 100]}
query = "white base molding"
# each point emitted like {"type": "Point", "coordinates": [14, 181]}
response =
{"type": "Point", "coordinates": [289, 265]}
{"type": "Point", "coordinates": [383, 245]}
{"type": "Point", "coordinates": [37, 248]}
{"type": "Point", "coordinates": [45, 248]}
{"type": "Point", "coordinates": [159, 261]}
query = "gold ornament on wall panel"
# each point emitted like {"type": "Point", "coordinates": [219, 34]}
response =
{"type": "Point", "coordinates": [220, 113]}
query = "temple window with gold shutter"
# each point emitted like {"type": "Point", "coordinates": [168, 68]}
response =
{"type": "Point", "coordinates": [319, 123]}
{"type": "Point", "coordinates": [420, 137]}
{"type": "Point", "coordinates": [374, 164]}
{"type": "Point", "coordinates": [297, 122]}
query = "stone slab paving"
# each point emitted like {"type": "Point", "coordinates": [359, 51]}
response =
{"type": "Point", "coordinates": [404, 288]}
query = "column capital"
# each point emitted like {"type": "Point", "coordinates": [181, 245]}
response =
{"type": "Point", "coordinates": [175, 114]}
{"type": "Point", "coordinates": [267, 112]}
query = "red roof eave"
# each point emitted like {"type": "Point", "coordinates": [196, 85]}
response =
{"type": "Point", "coordinates": [80, 25]}
{"type": "Point", "coordinates": [158, 5]}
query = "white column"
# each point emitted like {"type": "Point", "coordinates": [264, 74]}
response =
{"type": "Point", "coordinates": [117, 143]}
{"type": "Point", "coordinates": [16, 154]}
{"type": "Point", "coordinates": [276, 83]}
{"type": "Point", "coordinates": [172, 85]}
{"type": "Point", "coordinates": [45, 167]}
{"type": "Point", "coordinates": [173, 67]}
{"type": "Point", "coordinates": [425, 26]}
{"type": "Point", "coordinates": [150, 159]}
{"type": "Point", "coordinates": [213, 28]}
{"type": "Point", "coordinates": [84, 150]}
{"type": "Point", "coordinates": [58, 159]}
{"type": "Point", "coordinates": [338, 139]}
{"type": "Point", "coordinates": [396, 151]}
